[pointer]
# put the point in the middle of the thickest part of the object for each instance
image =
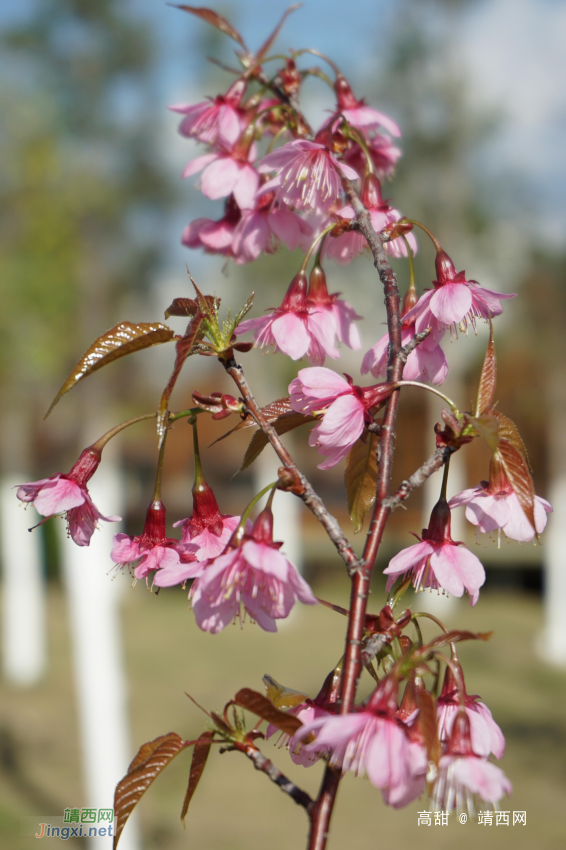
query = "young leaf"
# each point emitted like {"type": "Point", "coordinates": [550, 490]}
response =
{"type": "Point", "coordinates": [360, 478]}
{"type": "Point", "coordinates": [186, 307]}
{"type": "Point", "coordinates": [150, 760]}
{"type": "Point", "coordinates": [271, 412]}
{"type": "Point", "coordinates": [287, 422]}
{"type": "Point", "coordinates": [117, 342]}
{"type": "Point", "coordinates": [198, 763]}
{"type": "Point", "coordinates": [517, 471]}
{"type": "Point", "coordinates": [488, 379]}
{"type": "Point", "coordinates": [215, 20]}
{"type": "Point", "coordinates": [428, 724]}
{"type": "Point", "coordinates": [486, 426]}
{"type": "Point", "coordinates": [264, 708]}
{"type": "Point", "coordinates": [507, 430]}
{"type": "Point", "coordinates": [271, 38]}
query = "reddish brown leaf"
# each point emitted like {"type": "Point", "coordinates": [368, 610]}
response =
{"type": "Point", "coordinates": [287, 422]}
{"type": "Point", "coordinates": [151, 759]}
{"type": "Point", "coordinates": [215, 20]}
{"type": "Point", "coordinates": [271, 38]}
{"type": "Point", "coordinates": [186, 307]}
{"type": "Point", "coordinates": [271, 412]}
{"type": "Point", "coordinates": [517, 471]}
{"type": "Point", "coordinates": [455, 636]}
{"type": "Point", "coordinates": [428, 724]}
{"type": "Point", "coordinates": [488, 379]}
{"type": "Point", "coordinates": [507, 430]}
{"type": "Point", "coordinates": [264, 708]}
{"type": "Point", "coordinates": [360, 478]}
{"type": "Point", "coordinates": [198, 763]}
{"type": "Point", "coordinates": [123, 339]}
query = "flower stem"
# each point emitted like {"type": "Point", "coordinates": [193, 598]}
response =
{"type": "Point", "coordinates": [101, 442]}
{"type": "Point", "coordinates": [239, 531]}
{"type": "Point", "coordinates": [433, 238]}
{"type": "Point", "coordinates": [430, 389]}
{"type": "Point", "coordinates": [160, 459]}
{"type": "Point", "coordinates": [189, 414]}
{"type": "Point", "coordinates": [321, 236]}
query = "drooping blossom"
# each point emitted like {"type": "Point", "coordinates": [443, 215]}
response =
{"type": "Point", "coordinates": [485, 735]}
{"type": "Point", "coordinates": [372, 742]}
{"type": "Point", "coordinates": [345, 409]}
{"type": "Point", "coordinates": [219, 121]}
{"type": "Point", "coordinates": [216, 237]}
{"type": "Point", "coordinates": [304, 326]}
{"type": "Point", "coordinates": [228, 171]}
{"type": "Point", "coordinates": [330, 314]}
{"type": "Point", "coordinates": [383, 153]}
{"type": "Point", "coordinates": [206, 528]}
{"type": "Point", "coordinates": [254, 575]}
{"type": "Point", "coordinates": [427, 362]}
{"type": "Point", "coordinates": [463, 775]}
{"type": "Point", "coordinates": [357, 113]}
{"type": "Point", "coordinates": [454, 302]}
{"type": "Point", "coordinates": [68, 493]}
{"type": "Point", "coordinates": [344, 248]}
{"type": "Point", "coordinates": [262, 228]}
{"type": "Point", "coordinates": [152, 548]}
{"type": "Point", "coordinates": [494, 506]}
{"type": "Point", "coordinates": [439, 562]}
{"type": "Point", "coordinates": [309, 177]}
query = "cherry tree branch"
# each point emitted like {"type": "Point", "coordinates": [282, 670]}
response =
{"type": "Point", "coordinates": [263, 764]}
{"type": "Point", "coordinates": [440, 456]}
{"type": "Point", "coordinates": [303, 487]}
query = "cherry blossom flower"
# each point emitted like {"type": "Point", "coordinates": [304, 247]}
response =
{"type": "Point", "coordinates": [261, 229]}
{"type": "Point", "coordinates": [463, 775]}
{"type": "Point", "coordinates": [207, 528]}
{"type": "Point", "coordinates": [218, 121]}
{"type": "Point", "coordinates": [439, 562]}
{"type": "Point", "coordinates": [153, 549]}
{"type": "Point", "coordinates": [308, 174]}
{"type": "Point", "coordinates": [427, 362]}
{"type": "Point", "coordinates": [357, 113]}
{"type": "Point", "coordinates": [255, 575]}
{"type": "Point", "coordinates": [485, 735]}
{"type": "Point", "coordinates": [227, 171]}
{"type": "Point", "coordinates": [494, 506]}
{"type": "Point", "coordinates": [216, 237]}
{"type": "Point", "coordinates": [372, 742]}
{"type": "Point", "coordinates": [330, 314]}
{"type": "Point", "coordinates": [345, 407]}
{"type": "Point", "coordinates": [68, 493]}
{"type": "Point", "coordinates": [454, 301]}
{"type": "Point", "coordinates": [305, 326]}
{"type": "Point", "coordinates": [383, 153]}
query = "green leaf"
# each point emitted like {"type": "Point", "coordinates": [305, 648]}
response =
{"type": "Point", "coordinates": [486, 426]}
{"type": "Point", "coordinates": [198, 763]}
{"type": "Point", "coordinates": [488, 379]}
{"type": "Point", "coordinates": [264, 708]}
{"type": "Point", "coordinates": [360, 479]}
{"type": "Point", "coordinates": [123, 339]}
{"type": "Point", "coordinates": [150, 760]}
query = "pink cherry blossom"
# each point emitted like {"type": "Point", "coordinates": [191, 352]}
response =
{"type": "Point", "coordinates": [207, 528]}
{"type": "Point", "coordinates": [383, 153]}
{"type": "Point", "coordinates": [256, 575]}
{"type": "Point", "coordinates": [153, 549]}
{"type": "Point", "coordinates": [215, 121]}
{"type": "Point", "coordinates": [357, 113]}
{"type": "Point", "coordinates": [261, 230]}
{"type": "Point", "coordinates": [308, 174]}
{"type": "Point", "coordinates": [492, 509]}
{"type": "Point", "coordinates": [215, 237]}
{"type": "Point", "coordinates": [485, 735]}
{"type": "Point", "coordinates": [372, 744]}
{"type": "Point", "coordinates": [227, 171]}
{"type": "Point", "coordinates": [461, 778]}
{"type": "Point", "coordinates": [344, 248]}
{"type": "Point", "coordinates": [345, 407]}
{"type": "Point", "coordinates": [438, 562]}
{"type": "Point", "coordinates": [68, 493]}
{"type": "Point", "coordinates": [454, 301]}
{"type": "Point", "coordinates": [301, 327]}
{"type": "Point", "coordinates": [426, 363]}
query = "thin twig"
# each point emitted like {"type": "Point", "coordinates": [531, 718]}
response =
{"type": "Point", "coordinates": [412, 344]}
{"type": "Point", "coordinates": [305, 490]}
{"type": "Point", "coordinates": [440, 456]}
{"type": "Point", "coordinates": [260, 762]}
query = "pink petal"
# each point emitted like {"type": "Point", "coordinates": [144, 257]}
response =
{"type": "Point", "coordinates": [343, 422]}
{"type": "Point", "coordinates": [57, 496]}
{"type": "Point", "coordinates": [245, 187]}
{"type": "Point", "coordinates": [407, 558]}
{"type": "Point", "coordinates": [456, 569]}
{"type": "Point", "coordinates": [291, 335]}
{"type": "Point", "coordinates": [220, 177]}
{"type": "Point", "coordinates": [451, 302]}
{"type": "Point", "coordinates": [196, 165]}
{"type": "Point", "coordinates": [125, 549]}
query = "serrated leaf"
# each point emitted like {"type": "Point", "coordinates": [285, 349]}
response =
{"type": "Point", "coordinates": [487, 427]}
{"type": "Point", "coordinates": [150, 760]}
{"type": "Point", "coordinates": [198, 763]}
{"type": "Point", "coordinates": [517, 471]}
{"type": "Point", "coordinates": [186, 307]}
{"type": "Point", "coordinates": [215, 20]}
{"type": "Point", "coordinates": [360, 479]}
{"type": "Point", "coordinates": [488, 379]}
{"type": "Point", "coordinates": [260, 705]}
{"type": "Point", "coordinates": [507, 430]}
{"type": "Point", "coordinates": [287, 422]}
{"type": "Point", "coordinates": [271, 412]}
{"type": "Point", "coordinates": [120, 340]}
{"type": "Point", "coordinates": [244, 310]}
{"type": "Point", "coordinates": [271, 38]}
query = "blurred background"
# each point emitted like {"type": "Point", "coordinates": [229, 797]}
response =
{"type": "Point", "coordinates": [92, 207]}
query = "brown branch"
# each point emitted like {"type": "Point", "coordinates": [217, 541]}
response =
{"type": "Point", "coordinates": [260, 762]}
{"type": "Point", "coordinates": [412, 344]}
{"type": "Point", "coordinates": [441, 456]}
{"type": "Point", "coordinates": [304, 488]}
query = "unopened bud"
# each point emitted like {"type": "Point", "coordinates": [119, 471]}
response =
{"type": "Point", "coordinates": [289, 480]}
{"type": "Point", "coordinates": [370, 195]}
{"type": "Point", "coordinates": [395, 230]}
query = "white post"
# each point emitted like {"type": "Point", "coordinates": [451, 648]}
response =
{"type": "Point", "coordinates": [94, 603]}
{"type": "Point", "coordinates": [23, 597]}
